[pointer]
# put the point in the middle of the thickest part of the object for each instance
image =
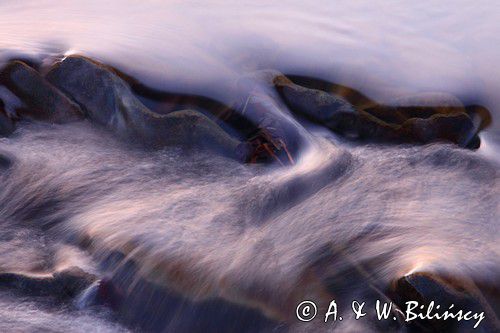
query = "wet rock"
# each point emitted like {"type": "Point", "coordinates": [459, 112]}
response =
{"type": "Point", "coordinates": [107, 100]}
{"type": "Point", "coordinates": [43, 100]}
{"type": "Point", "coordinates": [5, 163]}
{"type": "Point", "coordinates": [430, 117]}
{"type": "Point", "coordinates": [428, 99]}
{"type": "Point", "coordinates": [62, 285]}
{"type": "Point", "coordinates": [6, 124]}
{"type": "Point", "coordinates": [359, 100]}
{"type": "Point", "coordinates": [481, 116]}
{"type": "Point", "coordinates": [6, 160]}
{"type": "Point", "coordinates": [333, 111]}
{"type": "Point", "coordinates": [11, 103]}
{"type": "Point", "coordinates": [73, 280]}
{"type": "Point", "coordinates": [425, 105]}
{"type": "Point", "coordinates": [457, 128]}
{"type": "Point", "coordinates": [276, 137]}
{"type": "Point", "coordinates": [193, 129]}
{"type": "Point", "coordinates": [421, 118]}
{"type": "Point", "coordinates": [157, 308]}
{"type": "Point", "coordinates": [274, 134]}
{"type": "Point", "coordinates": [425, 288]}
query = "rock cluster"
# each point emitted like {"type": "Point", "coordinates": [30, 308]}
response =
{"type": "Point", "coordinates": [78, 88]}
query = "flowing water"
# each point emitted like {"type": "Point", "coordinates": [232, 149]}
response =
{"type": "Point", "coordinates": [261, 237]}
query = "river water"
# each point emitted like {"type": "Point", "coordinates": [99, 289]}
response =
{"type": "Point", "coordinates": [206, 227]}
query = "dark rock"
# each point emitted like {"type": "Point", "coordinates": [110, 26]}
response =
{"type": "Point", "coordinates": [62, 285]}
{"type": "Point", "coordinates": [430, 117]}
{"type": "Point", "coordinates": [150, 307]}
{"type": "Point", "coordinates": [73, 281]}
{"type": "Point", "coordinates": [6, 124]}
{"type": "Point", "coordinates": [359, 100]}
{"type": "Point", "coordinates": [193, 129]}
{"type": "Point", "coordinates": [5, 163]}
{"type": "Point", "coordinates": [480, 116]}
{"type": "Point", "coordinates": [44, 101]}
{"type": "Point", "coordinates": [425, 105]}
{"type": "Point", "coordinates": [6, 160]}
{"type": "Point", "coordinates": [457, 128]}
{"type": "Point", "coordinates": [421, 118]}
{"type": "Point", "coordinates": [425, 288]}
{"type": "Point", "coordinates": [333, 111]}
{"type": "Point", "coordinates": [107, 100]}
{"type": "Point", "coordinates": [274, 135]}
{"type": "Point", "coordinates": [318, 105]}
{"type": "Point", "coordinates": [422, 106]}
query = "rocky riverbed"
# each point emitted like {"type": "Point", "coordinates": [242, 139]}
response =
{"type": "Point", "coordinates": [151, 210]}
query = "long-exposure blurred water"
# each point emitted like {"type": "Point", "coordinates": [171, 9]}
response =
{"type": "Point", "coordinates": [207, 227]}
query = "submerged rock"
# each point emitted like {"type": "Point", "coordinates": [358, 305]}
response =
{"type": "Point", "coordinates": [274, 135]}
{"type": "Point", "coordinates": [424, 288]}
{"type": "Point", "coordinates": [6, 124]}
{"type": "Point", "coordinates": [6, 160]}
{"type": "Point", "coordinates": [151, 307]}
{"type": "Point", "coordinates": [62, 285]}
{"type": "Point", "coordinates": [107, 100]}
{"type": "Point", "coordinates": [43, 100]}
